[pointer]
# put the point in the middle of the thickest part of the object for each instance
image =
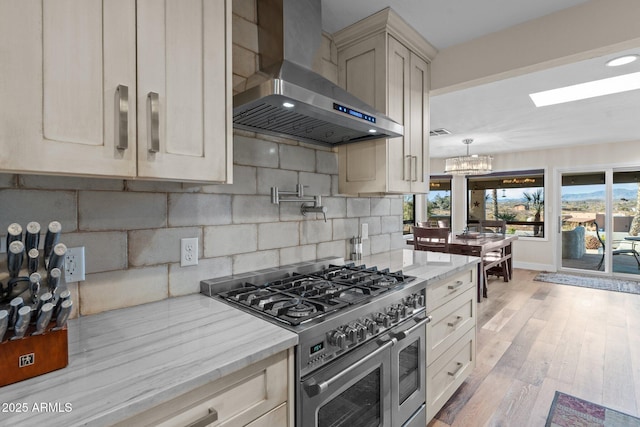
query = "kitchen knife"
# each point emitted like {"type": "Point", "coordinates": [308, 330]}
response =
{"type": "Point", "coordinates": [51, 238]}
{"type": "Point", "coordinates": [53, 280]}
{"type": "Point", "coordinates": [32, 236]}
{"type": "Point", "coordinates": [32, 260]}
{"type": "Point", "coordinates": [14, 233]}
{"type": "Point", "coordinates": [63, 315]}
{"type": "Point", "coordinates": [57, 257]}
{"type": "Point", "coordinates": [15, 254]}
{"type": "Point", "coordinates": [44, 298]}
{"type": "Point", "coordinates": [16, 304]}
{"type": "Point", "coordinates": [22, 323]}
{"type": "Point", "coordinates": [64, 295]}
{"type": "Point", "coordinates": [44, 317]}
{"type": "Point", "coordinates": [34, 286]}
{"type": "Point", "coordinates": [4, 323]}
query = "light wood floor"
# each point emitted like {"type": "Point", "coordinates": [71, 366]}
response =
{"type": "Point", "coordinates": [535, 338]}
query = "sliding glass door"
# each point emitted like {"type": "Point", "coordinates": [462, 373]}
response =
{"type": "Point", "coordinates": [583, 208]}
{"type": "Point", "coordinates": [598, 223]}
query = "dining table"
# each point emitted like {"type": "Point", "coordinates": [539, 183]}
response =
{"type": "Point", "coordinates": [480, 244]}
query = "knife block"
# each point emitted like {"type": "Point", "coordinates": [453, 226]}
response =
{"type": "Point", "coordinates": [33, 355]}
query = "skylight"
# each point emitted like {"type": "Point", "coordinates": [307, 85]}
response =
{"type": "Point", "coordinates": [587, 90]}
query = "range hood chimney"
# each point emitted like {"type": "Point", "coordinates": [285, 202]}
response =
{"type": "Point", "coordinates": [286, 98]}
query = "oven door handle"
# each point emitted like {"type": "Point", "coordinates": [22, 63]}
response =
{"type": "Point", "coordinates": [421, 322]}
{"type": "Point", "coordinates": [313, 388]}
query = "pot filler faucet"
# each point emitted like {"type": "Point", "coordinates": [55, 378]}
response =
{"type": "Point", "coordinates": [310, 204]}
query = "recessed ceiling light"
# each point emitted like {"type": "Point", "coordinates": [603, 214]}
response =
{"type": "Point", "coordinates": [608, 86]}
{"type": "Point", "coordinates": [372, 131]}
{"type": "Point", "coordinates": [288, 105]}
{"type": "Point", "coordinates": [622, 60]}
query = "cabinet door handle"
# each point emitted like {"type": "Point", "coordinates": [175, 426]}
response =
{"type": "Point", "coordinates": [153, 101]}
{"type": "Point", "coordinates": [457, 370]}
{"type": "Point", "coordinates": [211, 417]}
{"type": "Point", "coordinates": [122, 117]}
{"type": "Point", "coordinates": [407, 168]}
{"type": "Point", "coordinates": [414, 168]}
{"type": "Point", "coordinates": [456, 285]}
{"type": "Point", "coordinates": [455, 323]}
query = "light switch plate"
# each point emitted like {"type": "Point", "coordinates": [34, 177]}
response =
{"type": "Point", "coordinates": [365, 231]}
{"type": "Point", "coordinates": [188, 251]}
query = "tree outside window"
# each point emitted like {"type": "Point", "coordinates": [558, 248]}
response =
{"type": "Point", "coordinates": [516, 197]}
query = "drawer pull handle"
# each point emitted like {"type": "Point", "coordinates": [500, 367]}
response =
{"type": "Point", "coordinates": [456, 285]}
{"type": "Point", "coordinates": [457, 370]}
{"type": "Point", "coordinates": [211, 417]}
{"type": "Point", "coordinates": [122, 117]}
{"type": "Point", "coordinates": [153, 100]}
{"type": "Point", "coordinates": [414, 168]}
{"type": "Point", "coordinates": [407, 169]}
{"type": "Point", "coordinates": [456, 322]}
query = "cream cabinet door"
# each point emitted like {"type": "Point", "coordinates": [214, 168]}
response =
{"type": "Point", "coordinates": [184, 90]}
{"type": "Point", "coordinates": [399, 109]}
{"type": "Point", "coordinates": [67, 87]}
{"type": "Point", "coordinates": [419, 125]}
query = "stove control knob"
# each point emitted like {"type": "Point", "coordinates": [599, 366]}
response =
{"type": "Point", "coordinates": [412, 301]}
{"type": "Point", "coordinates": [394, 313]}
{"type": "Point", "coordinates": [404, 311]}
{"type": "Point", "coordinates": [420, 301]}
{"type": "Point", "coordinates": [339, 339]}
{"type": "Point", "coordinates": [383, 319]}
{"type": "Point", "coordinates": [361, 332]}
{"type": "Point", "coordinates": [372, 327]}
{"type": "Point", "coordinates": [350, 333]}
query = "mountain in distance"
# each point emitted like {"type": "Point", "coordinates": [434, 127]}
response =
{"type": "Point", "coordinates": [619, 193]}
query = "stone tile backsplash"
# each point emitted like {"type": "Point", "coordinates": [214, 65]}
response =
{"type": "Point", "coordinates": [132, 234]}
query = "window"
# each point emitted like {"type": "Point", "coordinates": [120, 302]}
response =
{"type": "Point", "coordinates": [408, 213]}
{"type": "Point", "coordinates": [439, 200]}
{"type": "Point", "coordinates": [517, 197]}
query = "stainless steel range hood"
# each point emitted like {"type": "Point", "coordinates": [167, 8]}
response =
{"type": "Point", "coordinates": [286, 98]}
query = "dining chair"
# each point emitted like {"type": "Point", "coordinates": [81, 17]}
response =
{"type": "Point", "coordinates": [493, 226]}
{"type": "Point", "coordinates": [495, 262]}
{"type": "Point", "coordinates": [432, 239]}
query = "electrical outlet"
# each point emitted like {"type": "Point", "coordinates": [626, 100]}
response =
{"type": "Point", "coordinates": [74, 268]}
{"type": "Point", "coordinates": [188, 251]}
{"type": "Point", "coordinates": [365, 231]}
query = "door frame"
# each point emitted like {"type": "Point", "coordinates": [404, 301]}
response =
{"type": "Point", "coordinates": [608, 170]}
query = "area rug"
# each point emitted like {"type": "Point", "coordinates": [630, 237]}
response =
{"type": "Point", "coordinates": [604, 283]}
{"type": "Point", "coordinates": [569, 411]}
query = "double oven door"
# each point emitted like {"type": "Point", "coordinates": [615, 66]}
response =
{"type": "Point", "coordinates": [380, 384]}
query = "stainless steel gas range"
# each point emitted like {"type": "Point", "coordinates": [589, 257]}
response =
{"type": "Point", "coordinates": [360, 357]}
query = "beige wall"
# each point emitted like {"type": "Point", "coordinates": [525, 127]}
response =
{"type": "Point", "coordinates": [540, 254]}
{"type": "Point", "coordinates": [132, 229]}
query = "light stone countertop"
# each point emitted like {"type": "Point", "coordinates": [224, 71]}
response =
{"type": "Point", "coordinates": [430, 266]}
{"type": "Point", "coordinates": [125, 361]}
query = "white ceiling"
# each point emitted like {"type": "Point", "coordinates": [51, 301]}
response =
{"type": "Point", "coordinates": [500, 116]}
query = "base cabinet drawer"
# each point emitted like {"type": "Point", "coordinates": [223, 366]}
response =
{"type": "Point", "coordinates": [448, 372]}
{"type": "Point", "coordinates": [450, 322]}
{"type": "Point", "coordinates": [442, 292]}
{"type": "Point", "coordinates": [274, 418]}
{"type": "Point", "coordinates": [241, 398]}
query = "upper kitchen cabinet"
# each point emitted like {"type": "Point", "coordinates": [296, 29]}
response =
{"type": "Point", "coordinates": [116, 89]}
{"type": "Point", "coordinates": [385, 62]}
{"type": "Point", "coordinates": [184, 90]}
{"type": "Point", "coordinates": [67, 87]}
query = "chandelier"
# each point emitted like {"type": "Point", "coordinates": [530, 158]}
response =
{"type": "Point", "coordinates": [468, 165]}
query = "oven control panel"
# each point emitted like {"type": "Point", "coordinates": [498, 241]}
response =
{"type": "Point", "coordinates": [345, 336]}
